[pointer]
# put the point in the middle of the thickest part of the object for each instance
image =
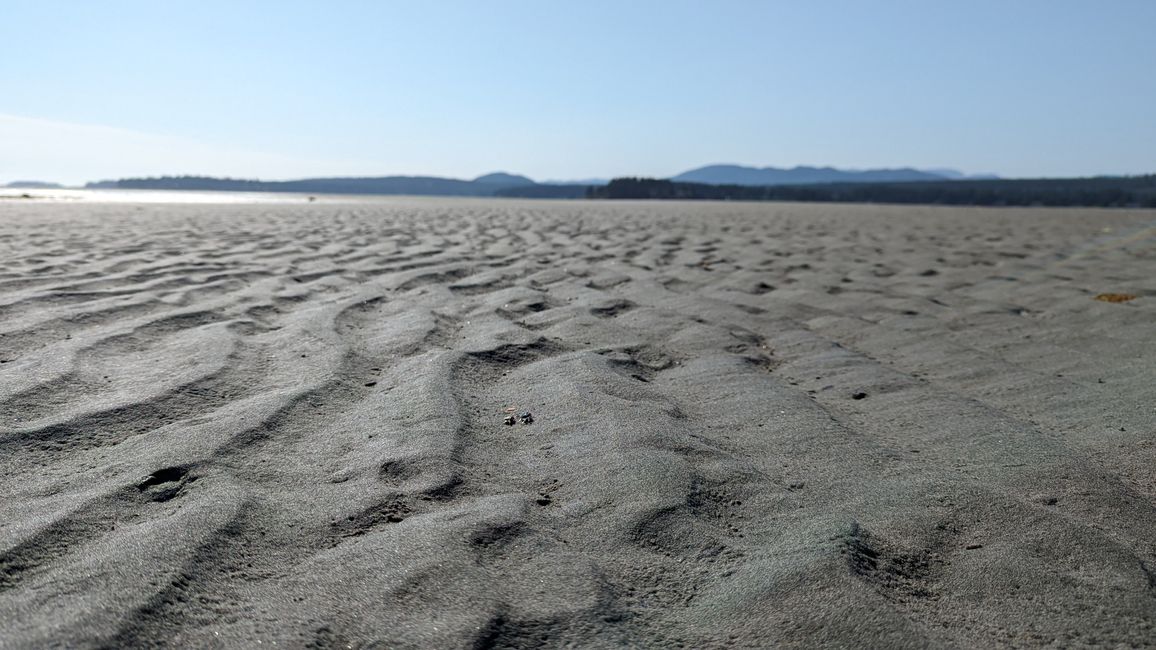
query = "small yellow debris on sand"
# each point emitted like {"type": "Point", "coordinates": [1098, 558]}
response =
{"type": "Point", "coordinates": [1115, 297]}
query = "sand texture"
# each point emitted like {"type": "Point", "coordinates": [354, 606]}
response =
{"type": "Point", "coordinates": [753, 426]}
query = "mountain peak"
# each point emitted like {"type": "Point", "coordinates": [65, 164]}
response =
{"type": "Point", "coordinates": [800, 175]}
{"type": "Point", "coordinates": [502, 178]}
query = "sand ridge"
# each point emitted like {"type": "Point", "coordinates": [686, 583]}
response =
{"type": "Point", "coordinates": [753, 425]}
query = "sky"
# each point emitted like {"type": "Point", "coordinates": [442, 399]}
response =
{"type": "Point", "coordinates": [572, 90]}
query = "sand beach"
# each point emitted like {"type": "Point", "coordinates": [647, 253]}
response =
{"type": "Point", "coordinates": [438, 423]}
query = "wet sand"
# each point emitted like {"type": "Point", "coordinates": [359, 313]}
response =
{"type": "Point", "coordinates": [754, 425]}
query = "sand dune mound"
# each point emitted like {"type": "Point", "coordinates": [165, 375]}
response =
{"type": "Point", "coordinates": [750, 426]}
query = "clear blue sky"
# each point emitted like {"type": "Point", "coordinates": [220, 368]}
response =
{"type": "Point", "coordinates": [559, 90]}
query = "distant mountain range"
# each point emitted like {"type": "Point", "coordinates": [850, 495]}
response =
{"type": "Point", "coordinates": [769, 176]}
{"type": "Point", "coordinates": [505, 184]}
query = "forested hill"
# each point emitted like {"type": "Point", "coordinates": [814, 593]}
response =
{"type": "Point", "coordinates": [1121, 191]}
{"type": "Point", "coordinates": [420, 185]}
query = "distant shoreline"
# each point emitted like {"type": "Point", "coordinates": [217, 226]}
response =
{"type": "Point", "coordinates": [1104, 192]}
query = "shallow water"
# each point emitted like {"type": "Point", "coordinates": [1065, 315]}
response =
{"type": "Point", "coordinates": [149, 196]}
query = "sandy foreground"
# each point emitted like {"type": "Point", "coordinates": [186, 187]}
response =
{"type": "Point", "coordinates": [753, 425]}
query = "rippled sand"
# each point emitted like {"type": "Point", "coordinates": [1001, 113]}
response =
{"type": "Point", "coordinates": [753, 425]}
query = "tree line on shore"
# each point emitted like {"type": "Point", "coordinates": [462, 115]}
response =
{"type": "Point", "coordinates": [1101, 191]}
{"type": "Point", "coordinates": [1121, 191]}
